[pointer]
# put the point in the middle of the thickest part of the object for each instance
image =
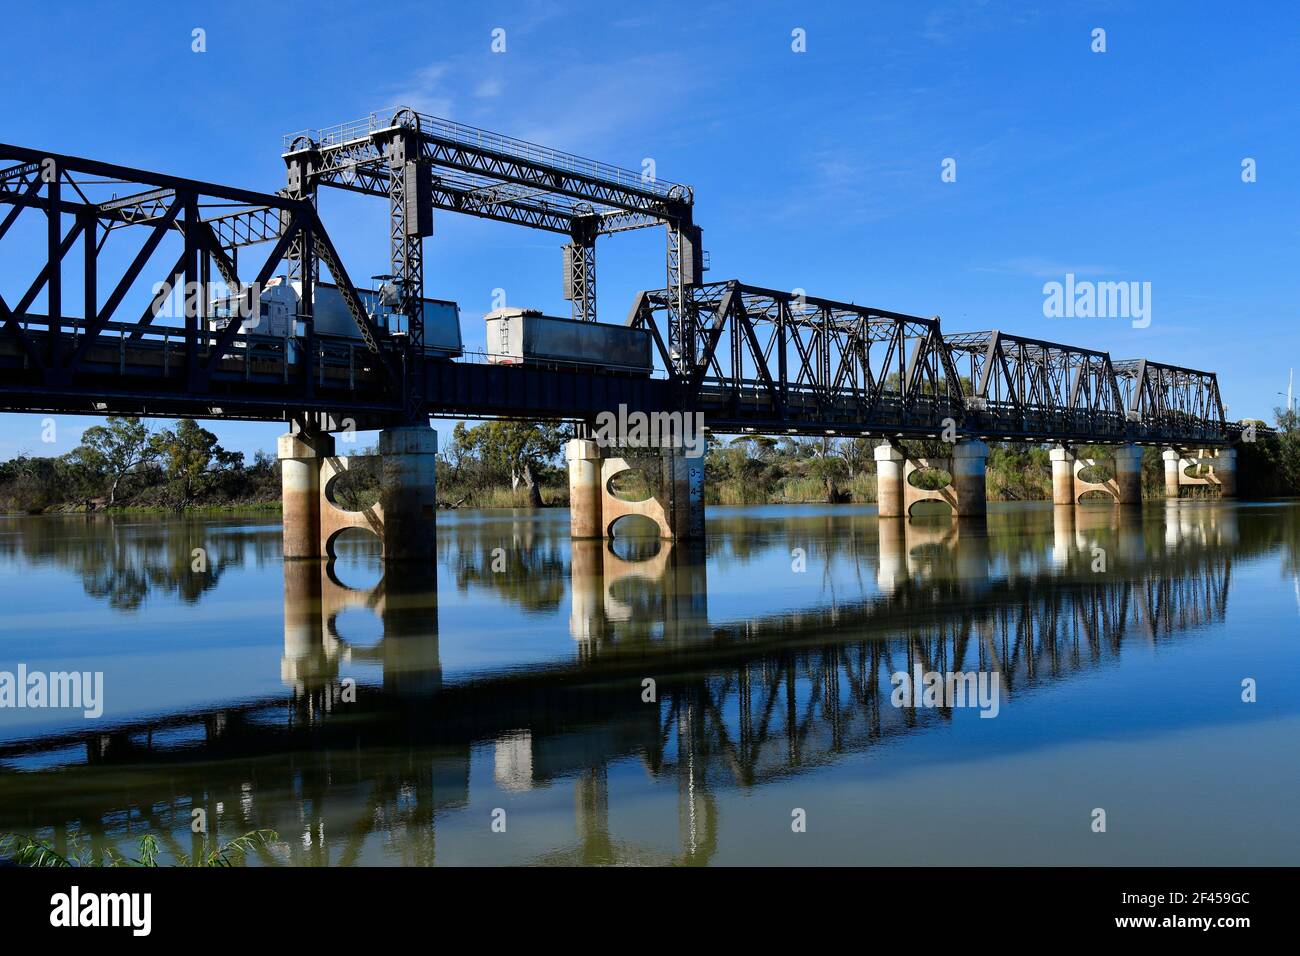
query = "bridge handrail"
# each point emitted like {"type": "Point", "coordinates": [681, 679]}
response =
{"type": "Point", "coordinates": [498, 143]}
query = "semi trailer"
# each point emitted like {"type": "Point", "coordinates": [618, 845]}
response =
{"type": "Point", "coordinates": [526, 337]}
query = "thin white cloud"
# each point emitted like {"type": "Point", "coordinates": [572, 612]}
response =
{"type": "Point", "coordinates": [1044, 268]}
{"type": "Point", "coordinates": [489, 88]}
{"type": "Point", "coordinates": [581, 105]}
{"type": "Point", "coordinates": [426, 91]}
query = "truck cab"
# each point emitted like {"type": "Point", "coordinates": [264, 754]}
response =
{"type": "Point", "coordinates": [277, 315]}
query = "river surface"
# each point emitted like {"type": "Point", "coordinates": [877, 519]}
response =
{"type": "Point", "coordinates": [534, 700]}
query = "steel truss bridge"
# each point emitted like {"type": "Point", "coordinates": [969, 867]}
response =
{"type": "Point", "coordinates": [765, 360]}
{"type": "Point", "coordinates": [75, 339]}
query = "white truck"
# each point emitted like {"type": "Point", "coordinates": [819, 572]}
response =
{"type": "Point", "coordinates": [277, 316]}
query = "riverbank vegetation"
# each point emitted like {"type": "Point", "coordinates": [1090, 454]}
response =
{"type": "Point", "coordinates": [123, 465]}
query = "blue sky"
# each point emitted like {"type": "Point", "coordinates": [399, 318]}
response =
{"type": "Point", "coordinates": [817, 170]}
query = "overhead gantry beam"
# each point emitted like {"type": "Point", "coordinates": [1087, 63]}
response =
{"type": "Point", "coordinates": [486, 167]}
{"type": "Point", "coordinates": [440, 165]}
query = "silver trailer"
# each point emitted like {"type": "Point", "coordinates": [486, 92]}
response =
{"type": "Point", "coordinates": [526, 337]}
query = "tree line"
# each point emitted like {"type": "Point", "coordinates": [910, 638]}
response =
{"type": "Point", "coordinates": [123, 463]}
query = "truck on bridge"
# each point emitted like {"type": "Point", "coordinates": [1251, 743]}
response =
{"type": "Point", "coordinates": [279, 315]}
{"type": "Point", "coordinates": [526, 337]}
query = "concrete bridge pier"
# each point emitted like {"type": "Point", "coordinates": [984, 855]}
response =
{"type": "Point", "coordinates": [676, 484]}
{"type": "Point", "coordinates": [1225, 468]}
{"type": "Point", "coordinates": [1222, 470]}
{"type": "Point", "coordinates": [584, 457]}
{"type": "Point", "coordinates": [301, 455]}
{"type": "Point", "coordinates": [965, 494]}
{"type": "Point", "coordinates": [1062, 475]}
{"type": "Point", "coordinates": [1128, 474]}
{"type": "Point", "coordinates": [969, 461]}
{"type": "Point", "coordinates": [889, 481]}
{"type": "Point", "coordinates": [409, 492]}
{"type": "Point", "coordinates": [1172, 459]}
{"type": "Point", "coordinates": [682, 497]}
{"type": "Point", "coordinates": [405, 517]}
{"type": "Point", "coordinates": [1069, 485]}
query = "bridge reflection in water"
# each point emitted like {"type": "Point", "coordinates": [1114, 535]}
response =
{"type": "Point", "coordinates": [738, 702]}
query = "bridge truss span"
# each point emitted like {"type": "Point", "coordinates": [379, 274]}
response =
{"type": "Point", "coordinates": [1173, 403]}
{"type": "Point", "coordinates": [68, 342]}
{"type": "Point", "coordinates": [761, 360]}
{"type": "Point", "coordinates": [1025, 387]}
{"type": "Point", "coordinates": [785, 361]}
{"type": "Point", "coordinates": [80, 332]}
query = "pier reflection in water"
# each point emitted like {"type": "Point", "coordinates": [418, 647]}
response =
{"type": "Point", "coordinates": [771, 685]}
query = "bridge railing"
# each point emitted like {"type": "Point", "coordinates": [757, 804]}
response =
{"type": "Point", "coordinates": [483, 140]}
{"type": "Point", "coordinates": [160, 350]}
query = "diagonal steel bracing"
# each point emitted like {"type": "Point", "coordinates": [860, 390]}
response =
{"type": "Point", "coordinates": [761, 359]}
{"type": "Point", "coordinates": [183, 230]}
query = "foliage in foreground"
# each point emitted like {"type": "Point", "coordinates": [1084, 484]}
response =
{"type": "Point", "coordinates": [29, 851]}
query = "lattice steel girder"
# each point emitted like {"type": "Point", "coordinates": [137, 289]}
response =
{"type": "Point", "coordinates": [788, 346]}
{"type": "Point", "coordinates": [22, 173]}
{"type": "Point", "coordinates": [708, 295]}
{"type": "Point", "coordinates": [504, 158]}
{"type": "Point", "coordinates": [248, 228]}
{"type": "Point", "coordinates": [1171, 396]}
{"type": "Point", "coordinates": [580, 279]}
{"type": "Point", "coordinates": [1036, 381]}
{"type": "Point", "coordinates": [806, 360]}
{"type": "Point", "coordinates": [410, 221]}
{"type": "Point", "coordinates": [233, 230]}
{"type": "Point", "coordinates": [259, 223]}
{"type": "Point", "coordinates": [472, 200]}
{"type": "Point", "coordinates": [65, 164]}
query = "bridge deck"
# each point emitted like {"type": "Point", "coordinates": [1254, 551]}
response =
{"type": "Point", "coordinates": [129, 372]}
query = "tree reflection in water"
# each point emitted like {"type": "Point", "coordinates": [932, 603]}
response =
{"type": "Point", "coordinates": [737, 703]}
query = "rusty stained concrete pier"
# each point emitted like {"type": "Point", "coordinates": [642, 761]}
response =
{"type": "Point", "coordinates": [404, 518]}
{"type": "Point", "coordinates": [675, 504]}
{"type": "Point", "coordinates": [896, 496]}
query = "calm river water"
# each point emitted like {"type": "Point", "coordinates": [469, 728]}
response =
{"type": "Point", "coordinates": [535, 700]}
